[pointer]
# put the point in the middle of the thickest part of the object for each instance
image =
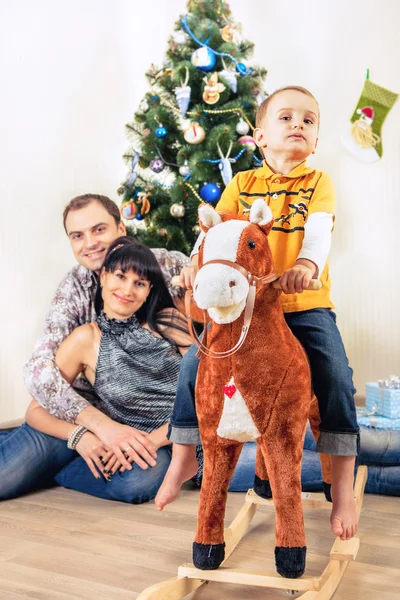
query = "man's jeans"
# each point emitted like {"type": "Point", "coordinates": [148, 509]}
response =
{"type": "Point", "coordinates": [332, 382]}
{"type": "Point", "coordinates": [31, 460]}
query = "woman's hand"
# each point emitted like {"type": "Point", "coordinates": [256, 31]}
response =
{"type": "Point", "coordinates": [93, 452]}
{"type": "Point", "coordinates": [128, 445]}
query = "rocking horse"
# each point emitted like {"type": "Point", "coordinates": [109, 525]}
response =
{"type": "Point", "coordinates": [253, 383]}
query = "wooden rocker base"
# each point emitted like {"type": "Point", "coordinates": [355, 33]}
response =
{"type": "Point", "coordinates": [315, 588]}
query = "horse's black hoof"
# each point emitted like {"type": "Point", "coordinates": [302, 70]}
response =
{"type": "Point", "coordinates": [327, 491]}
{"type": "Point", "coordinates": [262, 488]}
{"type": "Point", "coordinates": [290, 562]}
{"type": "Point", "coordinates": [208, 556]}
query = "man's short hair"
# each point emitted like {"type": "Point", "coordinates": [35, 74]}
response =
{"type": "Point", "coordinates": [262, 109]}
{"type": "Point", "coordinates": [82, 201]}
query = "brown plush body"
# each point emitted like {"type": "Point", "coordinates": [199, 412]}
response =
{"type": "Point", "coordinates": [272, 375]}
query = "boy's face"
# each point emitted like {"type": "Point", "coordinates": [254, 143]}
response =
{"type": "Point", "coordinates": [290, 127]}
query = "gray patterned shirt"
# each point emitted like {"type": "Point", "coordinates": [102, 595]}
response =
{"type": "Point", "coordinates": [72, 306]}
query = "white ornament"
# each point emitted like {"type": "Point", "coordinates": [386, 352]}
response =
{"type": "Point", "coordinates": [242, 127]}
{"type": "Point", "coordinates": [177, 210]}
{"type": "Point", "coordinates": [194, 134]}
{"type": "Point", "coordinates": [179, 37]}
{"type": "Point", "coordinates": [144, 105]}
{"type": "Point", "coordinates": [231, 78]}
{"type": "Point", "coordinates": [184, 170]}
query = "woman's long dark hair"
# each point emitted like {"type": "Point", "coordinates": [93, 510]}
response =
{"type": "Point", "coordinates": [126, 254]}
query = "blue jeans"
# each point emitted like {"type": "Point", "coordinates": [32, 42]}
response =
{"type": "Point", "coordinates": [332, 382]}
{"type": "Point", "coordinates": [32, 460]}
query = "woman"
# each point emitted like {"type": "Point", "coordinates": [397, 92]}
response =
{"type": "Point", "coordinates": [131, 356]}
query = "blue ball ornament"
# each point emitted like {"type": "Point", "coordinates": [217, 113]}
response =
{"type": "Point", "coordinates": [210, 192]}
{"type": "Point", "coordinates": [161, 132]}
{"type": "Point", "coordinates": [203, 59]}
{"type": "Point", "coordinates": [242, 69]}
{"type": "Point", "coordinates": [139, 216]}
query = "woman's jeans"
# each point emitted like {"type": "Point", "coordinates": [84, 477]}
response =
{"type": "Point", "coordinates": [332, 383]}
{"type": "Point", "coordinates": [31, 460]}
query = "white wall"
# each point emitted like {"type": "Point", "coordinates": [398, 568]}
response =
{"type": "Point", "coordinates": [72, 73]}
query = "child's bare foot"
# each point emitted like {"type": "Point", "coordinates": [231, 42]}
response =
{"type": "Point", "coordinates": [182, 468]}
{"type": "Point", "coordinates": [344, 514]}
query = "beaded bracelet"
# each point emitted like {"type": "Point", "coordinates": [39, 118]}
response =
{"type": "Point", "coordinates": [75, 437]}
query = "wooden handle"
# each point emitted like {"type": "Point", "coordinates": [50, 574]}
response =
{"type": "Point", "coordinates": [314, 284]}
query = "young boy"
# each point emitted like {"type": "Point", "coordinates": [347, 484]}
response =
{"type": "Point", "coordinates": [302, 202]}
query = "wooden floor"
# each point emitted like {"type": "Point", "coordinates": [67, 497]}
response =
{"type": "Point", "coordinates": [57, 544]}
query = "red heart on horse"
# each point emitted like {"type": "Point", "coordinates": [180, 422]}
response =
{"type": "Point", "coordinates": [229, 390]}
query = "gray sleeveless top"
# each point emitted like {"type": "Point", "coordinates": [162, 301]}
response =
{"type": "Point", "coordinates": [136, 374]}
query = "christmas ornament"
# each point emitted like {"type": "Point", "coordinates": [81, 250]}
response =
{"type": "Point", "coordinates": [194, 134]}
{"type": "Point", "coordinates": [177, 210]}
{"type": "Point", "coordinates": [144, 202]}
{"type": "Point", "coordinates": [231, 33]}
{"type": "Point", "coordinates": [206, 53]}
{"type": "Point", "coordinates": [225, 165]}
{"type": "Point", "coordinates": [144, 106]}
{"type": "Point", "coordinates": [128, 210]}
{"type": "Point", "coordinates": [162, 232]}
{"type": "Point", "coordinates": [133, 175]}
{"type": "Point", "coordinates": [184, 170]}
{"type": "Point", "coordinates": [161, 132]}
{"type": "Point", "coordinates": [203, 59]}
{"type": "Point", "coordinates": [157, 165]}
{"type": "Point", "coordinates": [231, 79]}
{"type": "Point", "coordinates": [260, 97]}
{"type": "Point", "coordinates": [212, 89]}
{"type": "Point", "coordinates": [364, 138]}
{"type": "Point", "coordinates": [242, 69]}
{"type": "Point", "coordinates": [196, 229]}
{"type": "Point", "coordinates": [248, 141]}
{"type": "Point", "coordinates": [139, 217]}
{"type": "Point", "coordinates": [179, 37]}
{"type": "Point", "coordinates": [242, 127]}
{"type": "Point", "coordinates": [182, 94]}
{"type": "Point", "coordinates": [165, 72]}
{"type": "Point", "coordinates": [210, 192]}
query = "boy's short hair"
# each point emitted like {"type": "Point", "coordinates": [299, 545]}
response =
{"type": "Point", "coordinates": [262, 109]}
{"type": "Point", "coordinates": [81, 201]}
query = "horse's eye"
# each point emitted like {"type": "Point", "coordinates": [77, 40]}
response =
{"type": "Point", "coordinates": [251, 244]}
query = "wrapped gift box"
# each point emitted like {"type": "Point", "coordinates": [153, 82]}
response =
{"type": "Point", "coordinates": [377, 421]}
{"type": "Point", "coordinates": [382, 401]}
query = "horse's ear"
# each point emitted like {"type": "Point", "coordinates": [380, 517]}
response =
{"type": "Point", "coordinates": [261, 215]}
{"type": "Point", "coordinates": [208, 217]}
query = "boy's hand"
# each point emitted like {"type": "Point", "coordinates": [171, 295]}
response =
{"type": "Point", "coordinates": [187, 276]}
{"type": "Point", "coordinates": [297, 279]}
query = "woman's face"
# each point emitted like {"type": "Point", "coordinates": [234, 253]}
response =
{"type": "Point", "coordinates": [123, 293]}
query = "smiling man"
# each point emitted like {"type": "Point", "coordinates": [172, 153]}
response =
{"type": "Point", "coordinates": [92, 222]}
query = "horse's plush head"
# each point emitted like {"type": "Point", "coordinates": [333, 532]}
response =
{"type": "Point", "coordinates": [220, 288]}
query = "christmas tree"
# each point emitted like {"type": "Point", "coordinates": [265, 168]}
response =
{"type": "Point", "coordinates": [193, 128]}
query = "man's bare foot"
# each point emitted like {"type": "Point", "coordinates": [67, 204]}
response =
{"type": "Point", "coordinates": [344, 515]}
{"type": "Point", "coordinates": [182, 468]}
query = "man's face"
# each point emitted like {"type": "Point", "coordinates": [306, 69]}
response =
{"type": "Point", "coordinates": [290, 126]}
{"type": "Point", "coordinates": [91, 230]}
